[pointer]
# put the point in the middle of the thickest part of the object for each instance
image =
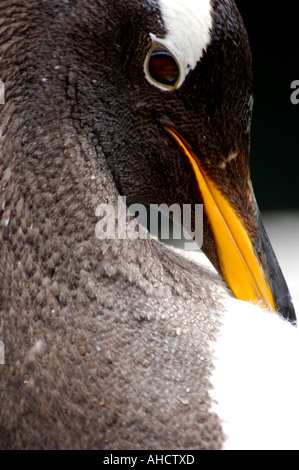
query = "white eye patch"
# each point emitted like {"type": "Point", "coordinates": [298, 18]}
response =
{"type": "Point", "coordinates": [188, 25]}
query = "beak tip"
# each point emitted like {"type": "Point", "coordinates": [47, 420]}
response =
{"type": "Point", "coordinates": [282, 297]}
{"type": "Point", "coordinates": [286, 308]}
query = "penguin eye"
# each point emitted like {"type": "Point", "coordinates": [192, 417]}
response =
{"type": "Point", "coordinates": [162, 67]}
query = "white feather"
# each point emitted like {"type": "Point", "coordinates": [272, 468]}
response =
{"type": "Point", "coordinates": [256, 379]}
{"type": "Point", "coordinates": [188, 27]}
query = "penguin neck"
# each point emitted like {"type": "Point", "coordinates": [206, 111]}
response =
{"type": "Point", "coordinates": [54, 180]}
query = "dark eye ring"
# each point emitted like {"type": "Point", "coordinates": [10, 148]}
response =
{"type": "Point", "coordinates": [162, 67]}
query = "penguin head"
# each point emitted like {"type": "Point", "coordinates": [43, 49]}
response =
{"type": "Point", "coordinates": [144, 65]}
{"type": "Point", "coordinates": [151, 66]}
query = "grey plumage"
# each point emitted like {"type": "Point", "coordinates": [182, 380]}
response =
{"type": "Point", "coordinates": [124, 355]}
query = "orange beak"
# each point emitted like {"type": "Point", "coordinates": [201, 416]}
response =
{"type": "Point", "coordinates": [239, 263]}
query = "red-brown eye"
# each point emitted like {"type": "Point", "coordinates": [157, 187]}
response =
{"type": "Point", "coordinates": [162, 67]}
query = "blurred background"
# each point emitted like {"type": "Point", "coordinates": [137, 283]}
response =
{"type": "Point", "coordinates": [273, 35]}
{"type": "Point", "coordinates": [273, 30]}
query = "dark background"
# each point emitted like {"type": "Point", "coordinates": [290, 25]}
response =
{"type": "Point", "coordinates": [273, 30]}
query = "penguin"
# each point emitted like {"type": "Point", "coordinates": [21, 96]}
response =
{"type": "Point", "coordinates": [116, 342]}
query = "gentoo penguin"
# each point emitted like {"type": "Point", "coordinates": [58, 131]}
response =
{"type": "Point", "coordinates": [123, 343]}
